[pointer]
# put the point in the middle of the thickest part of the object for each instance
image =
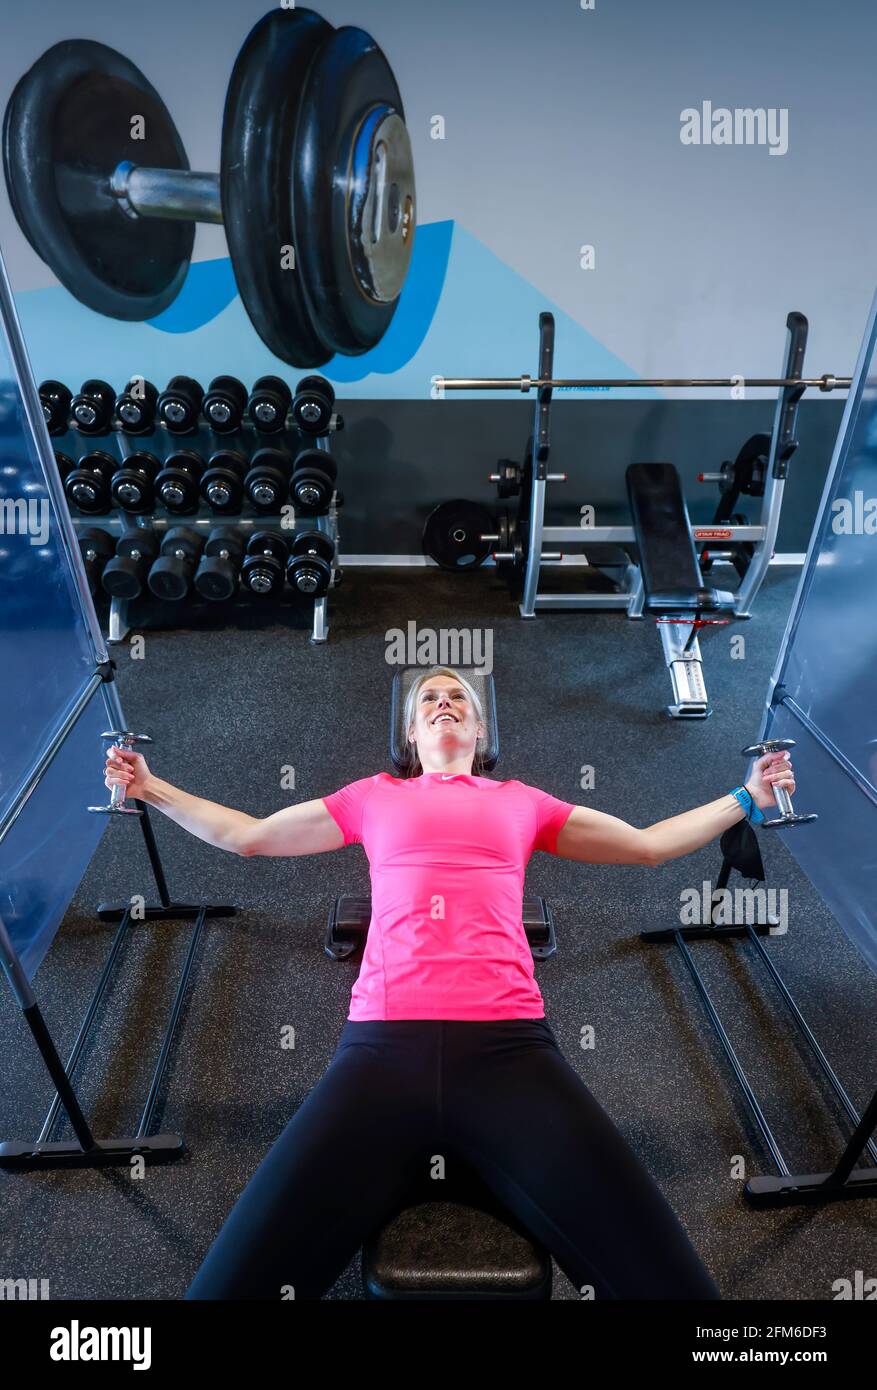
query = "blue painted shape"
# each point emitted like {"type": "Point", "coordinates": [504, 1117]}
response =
{"type": "Point", "coordinates": [487, 324]}
{"type": "Point", "coordinates": [415, 312]}
{"type": "Point", "coordinates": [463, 312]}
{"type": "Point", "coordinates": [208, 289]}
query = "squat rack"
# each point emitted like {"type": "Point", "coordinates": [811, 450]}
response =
{"type": "Point", "coordinates": [791, 386]}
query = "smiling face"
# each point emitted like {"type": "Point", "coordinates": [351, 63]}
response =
{"type": "Point", "coordinates": [445, 726]}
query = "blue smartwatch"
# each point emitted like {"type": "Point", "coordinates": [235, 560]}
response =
{"type": "Point", "coordinates": [752, 812]}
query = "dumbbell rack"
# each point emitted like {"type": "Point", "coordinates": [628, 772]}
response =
{"type": "Point", "coordinates": [206, 441]}
{"type": "Point", "coordinates": [123, 612]}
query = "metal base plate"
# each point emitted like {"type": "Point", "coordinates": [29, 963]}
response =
{"type": "Point", "coordinates": [158, 1148]}
{"type": "Point", "coordinates": [174, 912]}
{"type": "Point", "coordinates": [704, 932]}
{"type": "Point", "coordinates": [809, 1188]}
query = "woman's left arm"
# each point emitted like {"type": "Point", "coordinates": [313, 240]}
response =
{"type": "Point", "coordinates": [595, 838]}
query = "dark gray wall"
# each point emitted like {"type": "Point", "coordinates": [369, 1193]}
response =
{"type": "Point", "coordinates": [398, 459]}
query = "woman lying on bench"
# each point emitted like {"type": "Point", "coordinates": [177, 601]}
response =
{"type": "Point", "coordinates": [446, 1050]}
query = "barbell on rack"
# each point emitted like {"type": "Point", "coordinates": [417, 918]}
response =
{"type": "Point", "coordinates": [826, 382]}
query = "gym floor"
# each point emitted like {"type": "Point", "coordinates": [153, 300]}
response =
{"type": "Point", "coordinates": [229, 709]}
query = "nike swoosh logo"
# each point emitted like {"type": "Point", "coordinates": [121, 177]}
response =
{"type": "Point", "coordinates": [448, 777]}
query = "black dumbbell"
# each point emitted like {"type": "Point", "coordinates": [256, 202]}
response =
{"type": "Point", "coordinates": [309, 568]}
{"type": "Point", "coordinates": [267, 481]}
{"type": "Point", "coordinates": [265, 564]}
{"type": "Point", "coordinates": [313, 481]}
{"type": "Point", "coordinates": [171, 574]}
{"type": "Point", "coordinates": [87, 483]}
{"type": "Point", "coordinates": [179, 404]}
{"type": "Point", "coordinates": [91, 409]}
{"type": "Point", "coordinates": [177, 484]}
{"type": "Point", "coordinates": [64, 464]}
{"type": "Point", "coordinates": [95, 547]}
{"type": "Point", "coordinates": [125, 575]}
{"type": "Point", "coordinates": [224, 404]}
{"type": "Point", "coordinates": [268, 404]}
{"type": "Point", "coordinates": [55, 399]}
{"type": "Point", "coordinates": [136, 405]}
{"type": "Point", "coordinates": [217, 575]}
{"type": "Point", "coordinates": [132, 486]}
{"type": "Point", "coordinates": [787, 817]}
{"type": "Point", "coordinates": [312, 405]}
{"type": "Point", "coordinates": [222, 483]}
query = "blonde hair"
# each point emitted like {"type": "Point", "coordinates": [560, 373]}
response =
{"type": "Point", "coordinates": [414, 767]}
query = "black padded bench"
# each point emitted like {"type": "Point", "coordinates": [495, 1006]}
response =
{"type": "Point", "coordinates": [673, 586]}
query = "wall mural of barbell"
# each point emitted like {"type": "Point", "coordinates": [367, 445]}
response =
{"type": "Point", "coordinates": [315, 192]}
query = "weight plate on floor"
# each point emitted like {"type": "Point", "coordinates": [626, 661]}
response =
{"type": "Point", "coordinates": [353, 192]}
{"type": "Point", "coordinates": [68, 124]}
{"type": "Point", "coordinates": [258, 141]}
{"type": "Point", "coordinates": [452, 535]}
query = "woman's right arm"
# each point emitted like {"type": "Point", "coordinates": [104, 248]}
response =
{"type": "Point", "coordinates": [306, 828]}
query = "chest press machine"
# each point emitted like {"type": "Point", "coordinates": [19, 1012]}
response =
{"type": "Point", "coordinates": [652, 565]}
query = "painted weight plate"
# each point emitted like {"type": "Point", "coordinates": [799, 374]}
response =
{"type": "Point", "coordinates": [68, 124]}
{"type": "Point", "coordinates": [353, 192]}
{"type": "Point", "coordinates": [258, 140]}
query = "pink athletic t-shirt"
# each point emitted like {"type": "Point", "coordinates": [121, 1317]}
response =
{"type": "Point", "coordinates": [447, 856]}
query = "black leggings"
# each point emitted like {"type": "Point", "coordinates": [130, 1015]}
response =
{"type": "Point", "coordinates": [502, 1099]}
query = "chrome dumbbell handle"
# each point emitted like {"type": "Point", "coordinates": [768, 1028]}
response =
{"type": "Point", "coordinates": [788, 816]}
{"type": "Point", "coordinates": [117, 805]}
{"type": "Point", "coordinates": [783, 800]}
